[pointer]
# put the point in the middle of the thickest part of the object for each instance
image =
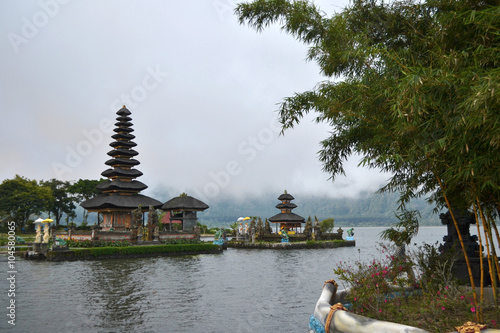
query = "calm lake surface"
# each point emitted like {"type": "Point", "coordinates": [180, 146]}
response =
{"type": "Point", "coordinates": [237, 291]}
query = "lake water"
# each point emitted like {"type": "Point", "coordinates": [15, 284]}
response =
{"type": "Point", "coordinates": [237, 291]}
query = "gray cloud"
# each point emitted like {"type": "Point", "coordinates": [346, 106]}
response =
{"type": "Point", "coordinates": [203, 92]}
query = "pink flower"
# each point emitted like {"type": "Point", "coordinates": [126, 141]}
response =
{"type": "Point", "coordinates": [443, 308]}
{"type": "Point", "coordinates": [380, 310]}
{"type": "Point", "coordinates": [462, 297]}
{"type": "Point", "coordinates": [473, 309]}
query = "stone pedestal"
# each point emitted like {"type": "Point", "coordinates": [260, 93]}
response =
{"type": "Point", "coordinates": [36, 247]}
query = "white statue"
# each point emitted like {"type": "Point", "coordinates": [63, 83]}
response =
{"type": "Point", "coordinates": [46, 234]}
{"type": "Point", "coordinates": [38, 238]}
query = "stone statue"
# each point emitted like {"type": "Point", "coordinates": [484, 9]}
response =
{"type": "Point", "coordinates": [38, 238]}
{"type": "Point", "coordinates": [152, 222]}
{"type": "Point", "coordinates": [136, 223]}
{"type": "Point", "coordinates": [260, 229]}
{"type": "Point", "coordinates": [308, 229]}
{"type": "Point", "coordinates": [267, 228]}
{"type": "Point", "coordinates": [317, 230]}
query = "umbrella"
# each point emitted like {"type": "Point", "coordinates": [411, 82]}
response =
{"type": "Point", "coordinates": [240, 219]}
{"type": "Point", "coordinates": [39, 220]}
{"type": "Point", "coordinates": [48, 221]}
{"type": "Point", "coordinates": [246, 218]}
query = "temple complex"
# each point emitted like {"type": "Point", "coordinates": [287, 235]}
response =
{"type": "Point", "coordinates": [120, 193]}
{"type": "Point", "coordinates": [287, 219]}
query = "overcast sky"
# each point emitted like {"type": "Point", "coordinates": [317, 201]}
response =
{"type": "Point", "coordinates": [203, 92]}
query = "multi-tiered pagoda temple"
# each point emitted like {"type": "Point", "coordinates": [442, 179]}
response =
{"type": "Point", "coordinates": [120, 193]}
{"type": "Point", "coordinates": [287, 219]}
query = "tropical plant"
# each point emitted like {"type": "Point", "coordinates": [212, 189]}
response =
{"type": "Point", "coordinates": [412, 87]}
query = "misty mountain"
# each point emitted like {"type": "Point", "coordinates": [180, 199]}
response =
{"type": "Point", "coordinates": [365, 210]}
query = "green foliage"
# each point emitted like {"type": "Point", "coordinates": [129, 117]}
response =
{"type": "Point", "coordinates": [84, 189]}
{"type": "Point", "coordinates": [60, 203]}
{"type": "Point", "coordinates": [405, 230]}
{"type": "Point", "coordinates": [21, 197]}
{"type": "Point", "coordinates": [327, 225]}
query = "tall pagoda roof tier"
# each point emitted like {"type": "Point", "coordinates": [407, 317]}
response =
{"type": "Point", "coordinates": [288, 205]}
{"type": "Point", "coordinates": [123, 118]}
{"type": "Point", "coordinates": [125, 123]}
{"type": "Point", "coordinates": [185, 202]}
{"type": "Point", "coordinates": [123, 130]}
{"type": "Point", "coordinates": [123, 152]}
{"type": "Point", "coordinates": [287, 217]}
{"type": "Point", "coordinates": [105, 201]}
{"type": "Point", "coordinates": [123, 112]}
{"type": "Point", "coordinates": [126, 173]}
{"type": "Point", "coordinates": [124, 186]}
{"type": "Point", "coordinates": [121, 143]}
{"type": "Point", "coordinates": [121, 161]}
{"type": "Point", "coordinates": [123, 136]}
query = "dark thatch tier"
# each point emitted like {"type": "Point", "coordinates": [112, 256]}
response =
{"type": "Point", "coordinates": [123, 136]}
{"type": "Point", "coordinates": [104, 201]}
{"type": "Point", "coordinates": [123, 152]}
{"type": "Point", "coordinates": [285, 197]}
{"type": "Point", "coordinates": [185, 203]}
{"type": "Point", "coordinates": [122, 186]}
{"type": "Point", "coordinates": [287, 217]}
{"type": "Point", "coordinates": [121, 161]}
{"type": "Point", "coordinates": [123, 130]}
{"type": "Point", "coordinates": [126, 173]}
{"type": "Point", "coordinates": [287, 205]}
{"type": "Point", "coordinates": [125, 123]}
{"type": "Point", "coordinates": [121, 143]}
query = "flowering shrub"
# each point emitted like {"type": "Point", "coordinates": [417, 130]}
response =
{"type": "Point", "coordinates": [434, 301]}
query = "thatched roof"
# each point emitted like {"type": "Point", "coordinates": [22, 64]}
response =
{"type": "Point", "coordinates": [287, 205]}
{"type": "Point", "coordinates": [287, 217]}
{"type": "Point", "coordinates": [129, 173]}
{"type": "Point", "coordinates": [120, 185]}
{"type": "Point", "coordinates": [285, 196]}
{"type": "Point", "coordinates": [103, 201]}
{"type": "Point", "coordinates": [184, 203]}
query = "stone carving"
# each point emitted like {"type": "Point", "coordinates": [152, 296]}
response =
{"type": "Point", "coordinates": [317, 230]}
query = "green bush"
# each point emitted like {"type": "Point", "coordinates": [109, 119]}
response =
{"type": "Point", "coordinates": [380, 289]}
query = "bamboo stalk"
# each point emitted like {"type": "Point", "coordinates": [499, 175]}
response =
{"type": "Point", "coordinates": [471, 278]}
{"type": "Point", "coordinates": [476, 216]}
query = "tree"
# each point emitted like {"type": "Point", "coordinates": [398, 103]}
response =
{"type": "Point", "coordinates": [84, 189]}
{"type": "Point", "coordinates": [60, 203]}
{"type": "Point", "coordinates": [411, 86]}
{"type": "Point", "coordinates": [20, 198]}
{"type": "Point", "coordinates": [327, 225]}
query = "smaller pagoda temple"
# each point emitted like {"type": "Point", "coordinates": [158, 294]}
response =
{"type": "Point", "coordinates": [120, 193]}
{"type": "Point", "coordinates": [183, 208]}
{"type": "Point", "coordinates": [287, 219]}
